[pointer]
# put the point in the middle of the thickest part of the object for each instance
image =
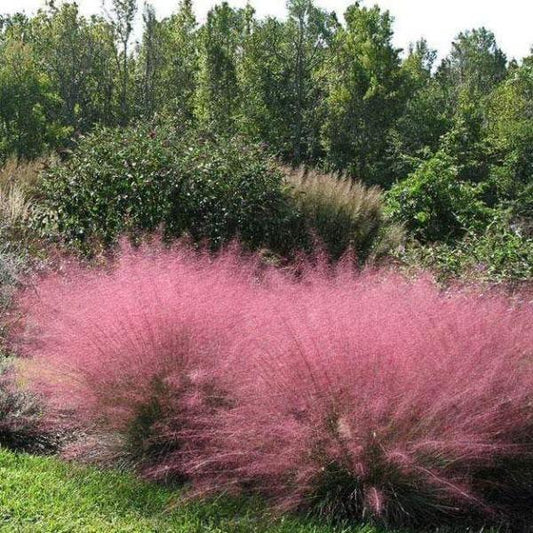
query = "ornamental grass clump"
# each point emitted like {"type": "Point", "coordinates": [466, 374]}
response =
{"type": "Point", "coordinates": [375, 398]}
{"type": "Point", "coordinates": [129, 356]}
{"type": "Point", "coordinates": [358, 395]}
{"type": "Point", "coordinates": [21, 415]}
{"type": "Point", "coordinates": [343, 214]}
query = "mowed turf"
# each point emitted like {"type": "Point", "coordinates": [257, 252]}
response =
{"type": "Point", "coordinates": [39, 494]}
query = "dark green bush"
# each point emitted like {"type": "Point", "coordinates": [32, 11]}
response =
{"type": "Point", "coordinates": [435, 205]}
{"type": "Point", "coordinates": [142, 178]}
{"type": "Point", "coordinates": [213, 188]}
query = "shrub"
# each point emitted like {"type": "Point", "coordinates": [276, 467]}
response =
{"type": "Point", "coordinates": [343, 214]}
{"type": "Point", "coordinates": [359, 395]}
{"type": "Point", "coordinates": [21, 426]}
{"type": "Point", "coordinates": [140, 178]}
{"type": "Point", "coordinates": [502, 254]}
{"type": "Point", "coordinates": [434, 205]}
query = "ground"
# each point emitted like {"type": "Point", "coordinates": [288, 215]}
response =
{"type": "Point", "coordinates": [44, 494]}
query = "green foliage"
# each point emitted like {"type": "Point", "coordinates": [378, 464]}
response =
{"type": "Point", "coordinates": [434, 205]}
{"type": "Point", "coordinates": [167, 80]}
{"type": "Point", "coordinates": [231, 188]}
{"type": "Point", "coordinates": [219, 94]}
{"type": "Point", "coordinates": [209, 187]}
{"type": "Point", "coordinates": [510, 136]}
{"type": "Point", "coordinates": [426, 116]}
{"type": "Point", "coordinates": [280, 74]}
{"type": "Point", "coordinates": [46, 495]}
{"type": "Point", "coordinates": [122, 15]}
{"type": "Point", "coordinates": [78, 57]}
{"type": "Point", "coordinates": [310, 89]}
{"type": "Point", "coordinates": [476, 63]}
{"type": "Point", "coordinates": [363, 95]}
{"type": "Point", "coordinates": [502, 254]}
{"type": "Point", "coordinates": [141, 178]}
{"type": "Point", "coordinates": [27, 107]}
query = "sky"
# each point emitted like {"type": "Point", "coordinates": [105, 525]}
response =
{"type": "Point", "coordinates": [439, 21]}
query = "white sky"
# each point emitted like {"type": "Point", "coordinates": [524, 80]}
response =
{"type": "Point", "coordinates": [437, 20]}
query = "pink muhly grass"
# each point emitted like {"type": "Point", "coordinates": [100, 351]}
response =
{"type": "Point", "coordinates": [132, 354]}
{"type": "Point", "coordinates": [374, 397]}
{"type": "Point", "coordinates": [361, 395]}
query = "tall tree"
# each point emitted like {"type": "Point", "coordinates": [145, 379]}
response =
{"type": "Point", "coordinates": [149, 64]}
{"type": "Point", "coordinates": [179, 68]}
{"type": "Point", "coordinates": [28, 106]}
{"type": "Point", "coordinates": [510, 136]}
{"type": "Point", "coordinates": [476, 63]}
{"type": "Point", "coordinates": [77, 55]}
{"type": "Point", "coordinates": [122, 15]}
{"type": "Point", "coordinates": [219, 94]}
{"type": "Point", "coordinates": [425, 116]}
{"type": "Point", "coordinates": [280, 73]}
{"type": "Point", "coordinates": [365, 96]}
{"type": "Point", "coordinates": [311, 31]}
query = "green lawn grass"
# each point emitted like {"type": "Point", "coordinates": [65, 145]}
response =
{"type": "Point", "coordinates": [40, 494]}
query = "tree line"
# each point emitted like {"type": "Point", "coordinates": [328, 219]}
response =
{"type": "Point", "coordinates": [312, 88]}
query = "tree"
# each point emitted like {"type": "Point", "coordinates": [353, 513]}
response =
{"type": "Point", "coordinates": [77, 55]}
{"type": "Point", "coordinates": [475, 63]}
{"type": "Point", "coordinates": [219, 95]}
{"type": "Point", "coordinates": [364, 95]}
{"type": "Point", "coordinates": [121, 17]}
{"type": "Point", "coordinates": [280, 73]}
{"type": "Point", "coordinates": [426, 115]}
{"type": "Point", "coordinates": [510, 137]}
{"type": "Point", "coordinates": [311, 30]}
{"type": "Point", "coordinates": [149, 63]}
{"type": "Point", "coordinates": [179, 64]}
{"type": "Point", "coordinates": [27, 103]}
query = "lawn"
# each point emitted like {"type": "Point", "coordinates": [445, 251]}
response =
{"type": "Point", "coordinates": [39, 494]}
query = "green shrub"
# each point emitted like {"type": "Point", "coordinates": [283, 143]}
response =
{"type": "Point", "coordinates": [503, 253]}
{"type": "Point", "coordinates": [232, 189]}
{"type": "Point", "coordinates": [342, 213]}
{"type": "Point", "coordinates": [434, 205]}
{"type": "Point", "coordinates": [210, 187]}
{"type": "Point", "coordinates": [142, 178]}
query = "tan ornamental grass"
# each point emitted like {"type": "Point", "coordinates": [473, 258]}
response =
{"type": "Point", "coordinates": [343, 213]}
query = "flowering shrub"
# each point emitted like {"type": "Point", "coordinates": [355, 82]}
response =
{"type": "Point", "coordinates": [360, 395]}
